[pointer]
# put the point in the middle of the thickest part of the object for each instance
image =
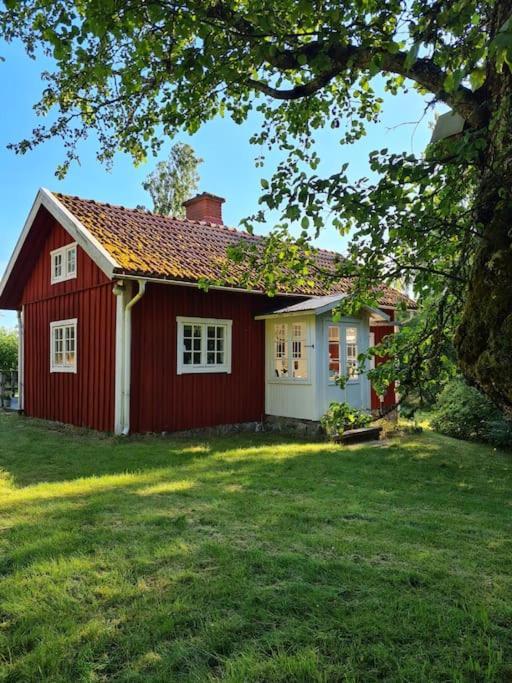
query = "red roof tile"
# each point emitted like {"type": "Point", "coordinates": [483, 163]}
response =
{"type": "Point", "coordinates": [162, 247]}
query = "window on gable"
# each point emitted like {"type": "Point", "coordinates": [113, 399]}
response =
{"type": "Point", "coordinates": [204, 345]}
{"type": "Point", "coordinates": [290, 357]}
{"type": "Point", "coordinates": [63, 345]}
{"type": "Point", "coordinates": [63, 263]}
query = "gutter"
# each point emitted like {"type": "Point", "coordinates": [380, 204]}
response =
{"type": "Point", "coordinates": [123, 365]}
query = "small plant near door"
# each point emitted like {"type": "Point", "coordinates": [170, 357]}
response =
{"type": "Point", "coordinates": [340, 417]}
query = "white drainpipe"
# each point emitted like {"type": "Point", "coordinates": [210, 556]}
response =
{"type": "Point", "coordinates": [21, 362]}
{"type": "Point", "coordinates": [123, 355]}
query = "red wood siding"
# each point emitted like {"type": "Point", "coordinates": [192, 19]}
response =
{"type": "Point", "coordinates": [161, 399]}
{"type": "Point", "coordinates": [380, 332]}
{"type": "Point", "coordinates": [87, 397]}
{"type": "Point", "coordinates": [39, 286]}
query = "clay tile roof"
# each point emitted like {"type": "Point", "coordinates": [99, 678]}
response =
{"type": "Point", "coordinates": [148, 245]}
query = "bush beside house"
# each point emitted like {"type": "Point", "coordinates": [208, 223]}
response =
{"type": "Point", "coordinates": [8, 349]}
{"type": "Point", "coordinates": [463, 412]}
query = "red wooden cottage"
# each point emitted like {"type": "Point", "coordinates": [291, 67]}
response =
{"type": "Point", "coordinates": [116, 335]}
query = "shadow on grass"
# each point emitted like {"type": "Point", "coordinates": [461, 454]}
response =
{"type": "Point", "coordinates": [252, 558]}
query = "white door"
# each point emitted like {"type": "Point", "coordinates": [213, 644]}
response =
{"type": "Point", "coordinates": [342, 344]}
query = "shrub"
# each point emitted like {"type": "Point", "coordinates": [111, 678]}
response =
{"type": "Point", "coordinates": [340, 417]}
{"type": "Point", "coordinates": [8, 349]}
{"type": "Point", "coordinates": [463, 412]}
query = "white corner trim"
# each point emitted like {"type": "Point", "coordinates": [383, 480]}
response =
{"type": "Point", "coordinates": [21, 359]}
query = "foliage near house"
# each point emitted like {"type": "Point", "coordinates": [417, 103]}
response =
{"type": "Point", "coordinates": [465, 413]}
{"type": "Point", "coordinates": [252, 558]}
{"type": "Point", "coordinates": [8, 349]}
{"type": "Point", "coordinates": [341, 416]}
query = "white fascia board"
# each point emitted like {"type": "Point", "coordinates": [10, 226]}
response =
{"type": "Point", "coordinates": [92, 247]}
{"type": "Point", "coordinates": [278, 316]}
{"type": "Point", "coordinates": [72, 225]}
{"type": "Point", "coordinates": [377, 312]}
{"type": "Point", "coordinates": [21, 240]}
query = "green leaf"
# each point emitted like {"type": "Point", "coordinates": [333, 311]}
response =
{"type": "Point", "coordinates": [412, 55]}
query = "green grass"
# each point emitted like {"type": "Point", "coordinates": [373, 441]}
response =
{"type": "Point", "coordinates": [252, 558]}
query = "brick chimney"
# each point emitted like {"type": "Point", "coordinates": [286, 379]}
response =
{"type": "Point", "coordinates": [204, 207]}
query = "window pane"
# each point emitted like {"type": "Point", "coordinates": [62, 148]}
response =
{"type": "Point", "coordinates": [197, 358]}
{"type": "Point", "coordinates": [220, 359]}
{"type": "Point", "coordinates": [334, 352]}
{"type": "Point", "coordinates": [197, 331]}
{"type": "Point", "coordinates": [187, 358]}
{"type": "Point", "coordinates": [351, 339]}
{"type": "Point", "coordinates": [210, 358]}
{"type": "Point", "coordinates": [71, 264]}
{"type": "Point", "coordinates": [187, 330]}
{"type": "Point", "coordinates": [69, 345]}
{"type": "Point", "coordinates": [280, 350]}
{"type": "Point", "coordinates": [57, 265]}
{"type": "Point", "coordinates": [210, 345]}
{"type": "Point", "coordinates": [211, 331]}
{"type": "Point", "coordinates": [299, 361]}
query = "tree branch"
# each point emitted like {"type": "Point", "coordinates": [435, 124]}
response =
{"type": "Point", "coordinates": [351, 57]}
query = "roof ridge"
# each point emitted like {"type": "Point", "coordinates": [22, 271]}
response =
{"type": "Point", "coordinates": [147, 212]}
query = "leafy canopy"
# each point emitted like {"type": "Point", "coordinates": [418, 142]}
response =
{"type": "Point", "coordinates": [138, 72]}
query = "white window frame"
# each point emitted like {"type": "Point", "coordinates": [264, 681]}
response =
{"type": "Point", "coordinates": [63, 367]}
{"type": "Point", "coordinates": [203, 367]}
{"type": "Point", "coordinates": [354, 379]}
{"type": "Point", "coordinates": [63, 253]}
{"type": "Point", "coordinates": [343, 355]}
{"type": "Point", "coordinates": [289, 352]}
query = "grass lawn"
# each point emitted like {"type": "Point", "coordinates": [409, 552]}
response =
{"type": "Point", "coordinates": [252, 558]}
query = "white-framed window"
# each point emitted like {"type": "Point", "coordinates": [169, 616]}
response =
{"type": "Point", "coordinates": [204, 345]}
{"type": "Point", "coordinates": [63, 345]}
{"type": "Point", "coordinates": [290, 360]}
{"type": "Point", "coordinates": [352, 353]}
{"type": "Point", "coordinates": [63, 263]}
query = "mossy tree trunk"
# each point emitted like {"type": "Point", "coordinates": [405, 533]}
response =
{"type": "Point", "coordinates": [484, 338]}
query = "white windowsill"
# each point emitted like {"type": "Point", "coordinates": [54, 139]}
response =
{"type": "Point", "coordinates": [63, 368]}
{"type": "Point", "coordinates": [299, 382]}
{"type": "Point", "coordinates": [184, 370]}
{"type": "Point", "coordinates": [63, 278]}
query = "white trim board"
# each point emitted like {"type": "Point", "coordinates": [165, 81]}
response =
{"type": "Point", "coordinates": [72, 225]}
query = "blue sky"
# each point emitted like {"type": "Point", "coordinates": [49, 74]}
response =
{"type": "Point", "coordinates": [228, 168]}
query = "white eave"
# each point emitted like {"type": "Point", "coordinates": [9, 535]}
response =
{"type": "Point", "coordinates": [318, 305]}
{"type": "Point", "coordinates": [72, 225]}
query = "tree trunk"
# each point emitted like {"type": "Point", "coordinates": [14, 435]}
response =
{"type": "Point", "coordinates": [484, 337]}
